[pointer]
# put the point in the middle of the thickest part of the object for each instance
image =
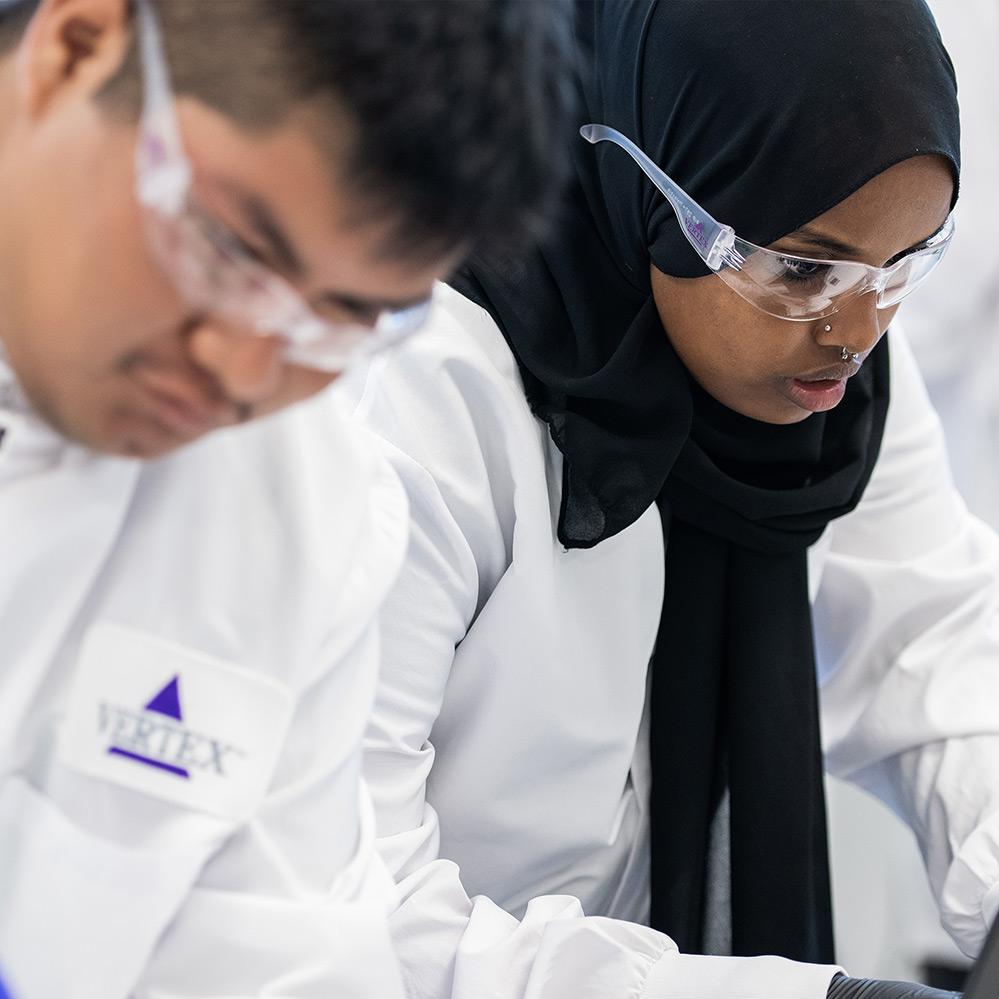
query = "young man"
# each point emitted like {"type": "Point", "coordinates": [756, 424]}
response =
{"type": "Point", "coordinates": [206, 209]}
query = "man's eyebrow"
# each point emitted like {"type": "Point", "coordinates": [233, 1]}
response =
{"type": "Point", "coordinates": [359, 304]}
{"type": "Point", "coordinates": [261, 219]}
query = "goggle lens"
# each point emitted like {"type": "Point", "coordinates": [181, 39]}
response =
{"type": "Point", "coordinates": [802, 289]}
{"type": "Point", "coordinates": [214, 274]}
{"type": "Point", "coordinates": [209, 266]}
{"type": "Point", "coordinates": [914, 271]}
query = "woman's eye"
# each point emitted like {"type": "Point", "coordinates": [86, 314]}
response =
{"type": "Point", "coordinates": [801, 271]}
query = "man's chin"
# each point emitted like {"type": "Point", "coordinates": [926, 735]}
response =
{"type": "Point", "coordinates": [111, 437]}
{"type": "Point", "coordinates": [45, 408]}
{"type": "Point", "coordinates": [143, 452]}
{"type": "Point", "coordinates": [136, 440]}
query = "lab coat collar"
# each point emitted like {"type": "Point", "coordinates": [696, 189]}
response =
{"type": "Point", "coordinates": [12, 399]}
{"type": "Point", "coordinates": [24, 432]}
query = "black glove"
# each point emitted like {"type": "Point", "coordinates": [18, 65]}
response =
{"type": "Point", "coordinates": [843, 987]}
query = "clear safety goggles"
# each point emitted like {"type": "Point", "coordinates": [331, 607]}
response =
{"type": "Point", "coordinates": [783, 284]}
{"type": "Point", "coordinates": [212, 269]}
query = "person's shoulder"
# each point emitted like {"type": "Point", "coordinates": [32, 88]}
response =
{"type": "Point", "coordinates": [909, 398]}
{"type": "Point", "coordinates": [453, 387]}
{"type": "Point", "coordinates": [449, 411]}
{"type": "Point", "coordinates": [450, 408]}
{"type": "Point", "coordinates": [913, 442]}
{"type": "Point", "coordinates": [910, 504]}
{"type": "Point", "coordinates": [305, 466]}
{"type": "Point", "coordinates": [294, 525]}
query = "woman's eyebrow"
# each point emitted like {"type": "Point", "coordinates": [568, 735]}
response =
{"type": "Point", "coordinates": [916, 246]}
{"type": "Point", "coordinates": [824, 241]}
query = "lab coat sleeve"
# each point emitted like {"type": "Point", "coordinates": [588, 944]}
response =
{"type": "Point", "coordinates": [441, 423]}
{"type": "Point", "coordinates": [295, 904]}
{"type": "Point", "coordinates": [272, 913]}
{"type": "Point", "coordinates": [154, 901]}
{"type": "Point", "coordinates": [907, 631]}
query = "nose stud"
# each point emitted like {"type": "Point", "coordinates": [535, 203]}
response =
{"type": "Point", "coordinates": [844, 353]}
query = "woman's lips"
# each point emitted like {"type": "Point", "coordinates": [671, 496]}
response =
{"type": "Point", "coordinates": [815, 396]}
{"type": "Point", "coordinates": [820, 390]}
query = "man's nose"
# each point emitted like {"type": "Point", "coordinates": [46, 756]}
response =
{"type": "Point", "coordinates": [246, 366]}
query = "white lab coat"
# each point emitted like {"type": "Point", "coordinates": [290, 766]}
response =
{"type": "Point", "coordinates": [508, 749]}
{"type": "Point", "coordinates": [189, 655]}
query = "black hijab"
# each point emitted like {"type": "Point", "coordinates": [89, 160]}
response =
{"type": "Point", "coordinates": [768, 112]}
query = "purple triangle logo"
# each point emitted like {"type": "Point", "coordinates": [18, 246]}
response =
{"type": "Point", "coordinates": [167, 701]}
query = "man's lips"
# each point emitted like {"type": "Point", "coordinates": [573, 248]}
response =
{"type": "Point", "coordinates": [177, 417]}
{"type": "Point", "coordinates": [182, 407]}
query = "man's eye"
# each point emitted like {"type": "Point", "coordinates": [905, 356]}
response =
{"type": "Point", "coordinates": [248, 250]}
{"type": "Point", "coordinates": [240, 248]}
{"type": "Point", "coordinates": [229, 243]}
{"type": "Point", "coordinates": [349, 311]}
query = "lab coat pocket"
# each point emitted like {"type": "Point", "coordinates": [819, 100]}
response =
{"type": "Point", "coordinates": [79, 913]}
{"type": "Point", "coordinates": [174, 723]}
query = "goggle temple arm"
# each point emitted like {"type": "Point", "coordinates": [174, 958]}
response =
{"type": "Point", "coordinates": [162, 168]}
{"type": "Point", "coordinates": [713, 242]}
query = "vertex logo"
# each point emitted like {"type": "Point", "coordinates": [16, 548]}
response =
{"type": "Point", "coordinates": [696, 230]}
{"type": "Point", "coordinates": [155, 736]}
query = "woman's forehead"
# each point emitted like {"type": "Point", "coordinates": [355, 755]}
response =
{"type": "Point", "coordinates": [786, 126]}
{"type": "Point", "coordinates": [896, 210]}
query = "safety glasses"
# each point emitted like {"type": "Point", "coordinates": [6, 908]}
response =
{"type": "Point", "coordinates": [210, 266]}
{"type": "Point", "coordinates": [781, 284]}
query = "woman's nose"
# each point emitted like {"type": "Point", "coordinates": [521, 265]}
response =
{"type": "Point", "coordinates": [247, 367]}
{"type": "Point", "coordinates": [857, 327]}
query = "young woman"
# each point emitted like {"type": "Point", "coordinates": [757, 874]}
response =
{"type": "Point", "coordinates": [660, 484]}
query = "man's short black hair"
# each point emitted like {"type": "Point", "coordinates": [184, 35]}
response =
{"type": "Point", "coordinates": [457, 108]}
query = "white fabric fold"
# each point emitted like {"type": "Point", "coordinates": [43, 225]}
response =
{"type": "Point", "coordinates": [506, 754]}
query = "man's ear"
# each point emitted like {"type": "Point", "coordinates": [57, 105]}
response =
{"type": "Point", "coordinates": [70, 46]}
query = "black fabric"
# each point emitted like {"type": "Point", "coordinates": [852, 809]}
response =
{"type": "Point", "coordinates": [842, 987]}
{"type": "Point", "coordinates": [768, 112]}
{"type": "Point", "coordinates": [737, 615]}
